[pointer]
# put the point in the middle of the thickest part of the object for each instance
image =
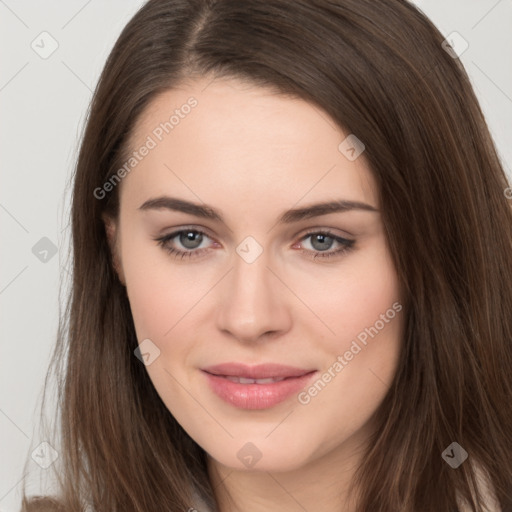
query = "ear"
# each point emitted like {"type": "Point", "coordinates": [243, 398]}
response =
{"type": "Point", "coordinates": [112, 239]}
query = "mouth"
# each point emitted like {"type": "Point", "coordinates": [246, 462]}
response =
{"type": "Point", "coordinates": [256, 387]}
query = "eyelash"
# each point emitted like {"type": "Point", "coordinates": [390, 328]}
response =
{"type": "Point", "coordinates": [347, 245]}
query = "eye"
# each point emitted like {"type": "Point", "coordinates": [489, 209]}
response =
{"type": "Point", "coordinates": [323, 238]}
{"type": "Point", "coordinates": [191, 240]}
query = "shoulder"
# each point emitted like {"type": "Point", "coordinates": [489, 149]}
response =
{"type": "Point", "coordinates": [200, 505]}
{"type": "Point", "coordinates": [42, 504]}
{"type": "Point", "coordinates": [485, 487]}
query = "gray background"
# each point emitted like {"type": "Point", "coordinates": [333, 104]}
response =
{"type": "Point", "coordinates": [43, 103]}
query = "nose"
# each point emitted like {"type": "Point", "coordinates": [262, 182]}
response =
{"type": "Point", "coordinates": [253, 301]}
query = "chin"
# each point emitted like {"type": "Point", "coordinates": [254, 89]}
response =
{"type": "Point", "coordinates": [260, 456]}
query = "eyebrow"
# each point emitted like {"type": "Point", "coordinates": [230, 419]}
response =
{"type": "Point", "coordinates": [290, 216]}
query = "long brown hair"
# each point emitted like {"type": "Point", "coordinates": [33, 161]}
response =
{"type": "Point", "coordinates": [379, 69]}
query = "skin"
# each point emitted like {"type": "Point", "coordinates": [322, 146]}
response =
{"type": "Point", "coordinates": [252, 154]}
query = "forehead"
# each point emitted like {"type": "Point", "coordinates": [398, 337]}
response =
{"type": "Point", "coordinates": [228, 139]}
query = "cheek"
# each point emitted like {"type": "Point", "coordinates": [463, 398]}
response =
{"type": "Point", "coordinates": [161, 304]}
{"type": "Point", "coordinates": [159, 293]}
{"type": "Point", "coordinates": [364, 314]}
{"type": "Point", "coordinates": [160, 312]}
{"type": "Point", "coordinates": [359, 295]}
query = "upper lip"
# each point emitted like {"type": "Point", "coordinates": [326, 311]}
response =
{"type": "Point", "coordinates": [259, 371]}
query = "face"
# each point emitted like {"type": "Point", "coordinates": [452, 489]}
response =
{"type": "Point", "coordinates": [244, 283]}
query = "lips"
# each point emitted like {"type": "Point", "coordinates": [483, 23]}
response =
{"type": "Point", "coordinates": [257, 372]}
{"type": "Point", "coordinates": [256, 395]}
{"type": "Point", "coordinates": [256, 387]}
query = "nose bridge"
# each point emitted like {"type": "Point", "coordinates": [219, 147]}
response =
{"type": "Point", "coordinates": [250, 304]}
{"type": "Point", "coordinates": [250, 279]}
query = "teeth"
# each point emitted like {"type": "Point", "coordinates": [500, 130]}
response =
{"type": "Point", "coordinates": [243, 380]}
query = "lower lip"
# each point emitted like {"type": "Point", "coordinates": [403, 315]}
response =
{"type": "Point", "coordinates": [256, 396]}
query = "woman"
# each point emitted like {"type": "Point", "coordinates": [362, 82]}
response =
{"type": "Point", "coordinates": [259, 369]}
